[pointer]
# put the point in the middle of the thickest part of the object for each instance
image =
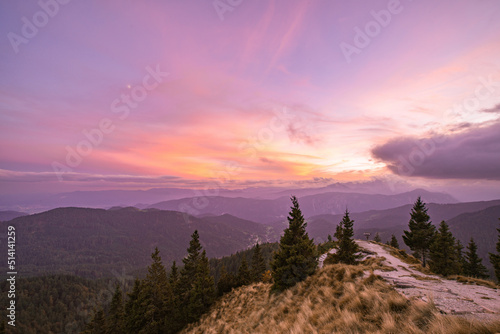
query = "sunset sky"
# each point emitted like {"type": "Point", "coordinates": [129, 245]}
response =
{"type": "Point", "coordinates": [141, 94]}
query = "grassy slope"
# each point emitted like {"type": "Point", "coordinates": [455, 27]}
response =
{"type": "Point", "coordinates": [337, 299]}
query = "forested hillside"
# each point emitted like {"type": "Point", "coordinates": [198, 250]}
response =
{"type": "Point", "coordinates": [95, 242]}
{"type": "Point", "coordinates": [55, 303]}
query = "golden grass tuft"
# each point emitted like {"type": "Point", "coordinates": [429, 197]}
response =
{"type": "Point", "coordinates": [337, 299]}
{"type": "Point", "coordinates": [472, 280]}
{"type": "Point", "coordinates": [423, 270]}
{"type": "Point", "coordinates": [425, 278]}
{"type": "Point", "coordinates": [401, 254]}
{"type": "Point", "coordinates": [377, 263]}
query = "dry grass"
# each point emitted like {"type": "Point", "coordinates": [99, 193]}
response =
{"type": "Point", "coordinates": [337, 299]}
{"type": "Point", "coordinates": [401, 254]}
{"type": "Point", "coordinates": [472, 280]}
{"type": "Point", "coordinates": [376, 263]}
{"type": "Point", "coordinates": [425, 278]}
{"type": "Point", "coordinates": [423, 270]}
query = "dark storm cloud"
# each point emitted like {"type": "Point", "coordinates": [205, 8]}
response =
{"type": "Point", "coordinates": [471, 154]}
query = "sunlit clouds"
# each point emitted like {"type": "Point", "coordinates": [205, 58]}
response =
{"type": "Point", "coordinates": [264, 96]}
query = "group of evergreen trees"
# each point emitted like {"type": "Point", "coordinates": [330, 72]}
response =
{"type": "Point", "coordinates": [165, 303]}
{"type": "Point", "coordinates": [161, 303]}
{"type": "Point", "coordinates": [495, 258]}
{"type": "Point", "coordinates": [245, 275]}
{"type": "Point", "coordinates": [440, 247]}
{"type": "Point", "coordinates": [296, 258]}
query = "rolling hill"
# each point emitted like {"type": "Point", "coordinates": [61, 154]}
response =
{"type": "Point", "coordinates": [391, 219]}
{"type": "Point", "coordinates": [95, 242]}
{"type": "Point", "coordinates": [9, 215]}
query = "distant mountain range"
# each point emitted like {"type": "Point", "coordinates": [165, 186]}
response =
{"type": "Point", "coordinates": [274, 211]}
{"type": "Point", "coordinates": [383, 221]}
{"type": "Point", "coordinates": [8, 215]}
{"type": "Point", "coordinates": [94, 242]}
{"type": "Point", "coordinates": [34, 203]}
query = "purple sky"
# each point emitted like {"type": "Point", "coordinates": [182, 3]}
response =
{"type": "Point", "coordinates": [140, 94]}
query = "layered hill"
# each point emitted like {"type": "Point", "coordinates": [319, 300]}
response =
{"type": "Point", "coordinates": [478, 220]}
{"type": "Point", "coordinates": [385, 221]}
{"type": "Point", "coordinates": [274, 211]}
{"type": "Point", "coordinates": [96, 242]}
{"type": "Point", "coordinates": [9, 215]}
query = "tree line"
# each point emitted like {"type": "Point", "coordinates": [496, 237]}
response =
{"type": "Point", "coordinates": [166, 302]}
{"type": "Point", "coordinates": [441, 250]}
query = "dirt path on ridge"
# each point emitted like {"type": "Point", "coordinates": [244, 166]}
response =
{"type": "Point", "coordinates": [449, 296]}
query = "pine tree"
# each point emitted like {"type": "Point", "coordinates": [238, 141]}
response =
{"type": "Point", "coordinates": [202, 295]}
{"type": "Point", "coordinates": [98, 323]}
{"type": "Point", "coordinates": [174, 275]}
{"type": "Point", "coordinates": [347, 249]}
{"type": "Point", "coordinates": [473, 263]}
{"type": "Point", "coordinates": [176, 321]}
{"type": "Point", "coordinates": [195, 289]}
{"type": "Point", "coordinates": [157, 296]}
{"type": "Point", "coordinates": [338, 231]}
{"type": "Point", "coordinates": [187, 277]}
{"type": "Point", "coordinates": [377, 238]}
{"type": "Point", "coordinates": [134, 309]}
{"type": "Point", "coordinates": [226, 283]}
{"type": "Point", "coordinates": [243, 277]}
{"type": "Point", "coordinates": [258, 264]}
{"type": "Point", "coordinates": [460, 256]}
{"type": "Point", "coordinates": [495, 258]}
{"type": "Point", "coordinates": [191, 262]}
{"type": "Point", "coordinates": [116, 314]}
{"type": "Point", "coordinates": [295, 259]}
{"type": "Point", "coordinates": [394, 242]}
{"type": "Point", "coordinates": [443, 252]}
{"type": "Point", "coordinates": [421, 232]}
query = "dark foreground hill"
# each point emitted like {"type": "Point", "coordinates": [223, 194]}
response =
{"type": "Point", "coordinates": [336, 299]}
{"type": "Point", "coordinates": [96, 242]}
